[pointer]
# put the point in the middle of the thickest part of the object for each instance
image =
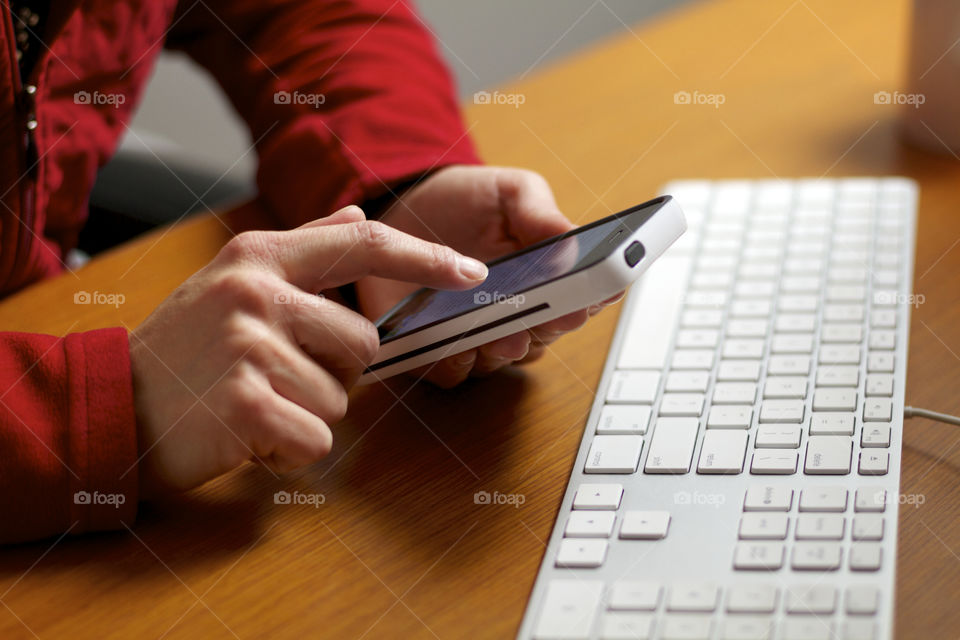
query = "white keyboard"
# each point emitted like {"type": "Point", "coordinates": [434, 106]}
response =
{"type": "Point", "coordinates": [738, 477]}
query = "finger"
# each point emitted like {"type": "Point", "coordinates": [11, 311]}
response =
{"type": "Point", "coordinates": [289, 436]}
{"type": "Point", "coordinates": [536, 352]}
{"type": "Point", "coordinates": [448, 372]}
{"type": "Point", "coordinates": [318, 258]}
{"type": "Point", "coordinates": [502, 352]}
{"type": "Point", "coordinates": [348, 214]}
{"type": "Point", "coordinates": [531, 210]}
{"type": "Point", "coordinates": [296, 377]}
{"type": "Point", "coordinates": [339, 339]}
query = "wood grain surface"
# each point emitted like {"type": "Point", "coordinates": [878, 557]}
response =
{"type": "Point", "coordinates": [398, 548]}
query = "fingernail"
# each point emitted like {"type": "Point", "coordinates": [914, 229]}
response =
{"type": "Point", "coordinates": [473, 269]}
{"type": "Point", "coordinates": [595, 309]}
{"type": "Point", "coordinates": [463, 359]}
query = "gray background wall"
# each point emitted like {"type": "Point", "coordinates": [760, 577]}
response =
{"type": "Point", "coordinates": [486, 43]}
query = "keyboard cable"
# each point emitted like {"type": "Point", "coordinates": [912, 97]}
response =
{"type": "Point", "coordinates": [910, 412]}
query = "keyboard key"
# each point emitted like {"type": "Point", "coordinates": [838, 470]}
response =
{"type": "Point", "coordinates": [598, 496]}
{"type": "Point", "coordinates": [626, 626]}
{"type": "Point", "coordinates": [792, 343]}
{"type": "Point", "coordinates": [777, 436]}
{"type": "Point", "coordinates": [831, 423]}
{"type": "Point", "coordinates": [682, 404]}
{"type": "Point", "coordinates": [767, 556]}
{"type": "Point", "coordinates": [806, 629]}
{"type": "Point", "coordinates": [638, 595]}
{"type": "Point", "coordinates": [688, 381]}
{"type": "Point", "coordinates": [796, 322]}
{"type": "Point", "coordinates": [882, 340]}
{"type": "Point", "coordinates": [815, 556]}
{"type": "Point", "coordinates": [829, 455]}
{"type": "Point", "coordinates": [856, 629]}
{"type": "Point", "coordinates": [867, 526]}
{"type": "Point", "coordinates": [862, 600]}
{"type": "Point", "coordinates": [763, 526]}
{"type": "Point", "coordinates": [589, 524]}
{"type": "Point", "coordinates": [722, 451]}
{"type": "Point", "coordinates": [817, 599]}
{"type": "Point", "coordinates": [694, 596]}
{"type": "Point", "coordinates": [568, 610]}
{"type": "Point", "coordinates": [841, 333]}
{"type": "Point", "coordinates": [734, 393]}
{"type": "Point", "coordinates": [752, 598]}
{"type": "Point", "coordinates": [774, 462]}
{"type": "Point", "coordinates": [797, 304]}
{"type": "Point", "coordinates": [697, 339]}
{"type": "Point", "coordinates": [870, 500]}
{"type": "Point", "coordinates": [877, 410]}
{"type": "Point", "coordinates": [880, 362]}
{"type": "Point", "coordinates": [764, 497]}
{"type": "Point", "coordinates": [820, 526]}
{"type": "Point", "coordinates": [783, 365]}
{"type": "Point", "coordinates": [835, 400]}
{"type": "Point", "coordinates": [865, 556]}
{"type": "Point", "coordinates": [747, 628]}
{"type": "Point", "coordinates": [874, 463]}
{"type": "Point", "coordinates": [614, 454]}
{"type": "Point", "coordinates": [650, 324]}
{"type": "Point", "coordinates": [623, 419]}
{"type": "Point", "coordinates": [839, 354]}
{"type": "Point", "coordinates": [633, 387]}
{"type": "Point", "coordinates": [671, 448]}
{"type": "Point", "coordinates": [842, 376]}
{"type": "Point", "coordinates": [581, 552]}
{"type": "Point", "coordinates": [685, 628]}
{"type": "Point", "coordinates": [701, 319]}
{"type": "Point", "coordinates": [823, 499]}
{"type": "Point", "coordinates": [781, 411]}
{"type": "Point", "coordinates": [693, 359]}
{"type": "Point", "coordinates": [843, 313]}
{"type": "Point", "coordinates": [730, 417]}
{"type": "Point", "coordinates": [735, 349]}
{"type": "Point", "coordinates": [785, 387]}
{"type": "Point", "coordinates": [883, 319]}
{"type": "Point", "coordinates": [739, 371]}
{"type": "Point", "coordinates": [875, 435]}
{"type": "Point", "coordinates": [879, 384]}
{"type": "Point", "coordinates": [645, 525]}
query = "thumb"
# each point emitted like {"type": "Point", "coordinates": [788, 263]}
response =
{"type": "Point", "coordinates": [530, 207]}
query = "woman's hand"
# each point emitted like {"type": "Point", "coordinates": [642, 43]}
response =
{"type": "Point", "coordinates": [483, 212]}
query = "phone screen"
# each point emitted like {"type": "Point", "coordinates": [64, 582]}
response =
{"type": "Point", "coordinates": [508, 279]}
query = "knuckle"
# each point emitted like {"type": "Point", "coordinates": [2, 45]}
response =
{"type": "Point", "coordinates": [374, 235]}
{"type": "Point", "coordinates": [368, 339]}
{"type": "Point", "coordinates": [247, 290]}
{"type": "Point", "coordinates": [242, 335]}
{"type": "Point", "coordinates": [248, 245]}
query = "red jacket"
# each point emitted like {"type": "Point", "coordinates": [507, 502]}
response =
{"type": "Point", "coordinates": [387, 115]}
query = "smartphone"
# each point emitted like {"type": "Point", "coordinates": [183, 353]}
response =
{"type": "Point", "coordinates": [542, 282]}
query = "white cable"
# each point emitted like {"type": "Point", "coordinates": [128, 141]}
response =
{"type": "Point", "coordinates": [910, 412]}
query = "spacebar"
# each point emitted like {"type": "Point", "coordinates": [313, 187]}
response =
{"type": "Point", "coordinates": [653, 316]}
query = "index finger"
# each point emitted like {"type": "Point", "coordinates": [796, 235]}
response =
{"type": "Point", "coordinates": [324, 257]}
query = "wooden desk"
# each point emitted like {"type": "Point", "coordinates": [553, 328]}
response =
{"type": "Point", "coordinates": [399, 549]}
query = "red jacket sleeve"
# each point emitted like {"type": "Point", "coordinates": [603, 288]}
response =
{"type": "Point", "coordinates": [346, 99]}
{"type": "Point", "coordinates": [67, 434]}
